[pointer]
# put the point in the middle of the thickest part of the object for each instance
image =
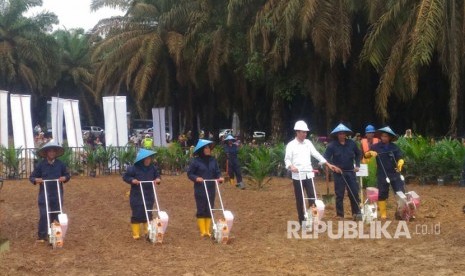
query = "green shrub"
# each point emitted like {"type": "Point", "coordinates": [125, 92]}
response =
{"type": "Point", "coordinates": [70, 159]}
{"type": "Point", "coordinates": [262, 162]}
{"type": "Point", "coordinates": [428, 160]}
{"type": "Point", "coordinates": [172, 159]}
{"type": "Point", "coordinates": [10, 159]}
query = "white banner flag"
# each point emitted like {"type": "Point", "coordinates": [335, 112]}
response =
{"type": "Point", "coordinates": [57, 120]}
{"type": "Point", "coordinates": [73, 123]}
{"type": "Point", "coordinates": [116, 123]}
{"type": "Point", "coordinates": [159, 135]}
{"type": "Point", "coordinates": [4, 118]}
{"type": "Point", "coordinates": [21, 120]}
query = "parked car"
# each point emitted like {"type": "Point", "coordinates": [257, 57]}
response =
{"type": "Point", "coordinates": [148, 131]}
{"type": "Point", "coordinates": [225, 132]}
{"type": "Point", "coordinates": [141, 125]}
{"type": "Point", "coordinates": [259, 135]}
{"type": "Point", "coordinates": [93, 130]}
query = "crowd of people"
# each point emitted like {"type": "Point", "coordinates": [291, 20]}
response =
{"type": "Point", "coordinates": [342, 156]}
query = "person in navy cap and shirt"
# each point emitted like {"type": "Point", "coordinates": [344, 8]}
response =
{"type": "Point", "coordinates": [50, 168]}
{"type": "Point", "coordinates": [143, 170]}
{"type": "Point", "coordinates": [345, 154]}
{"type": "Point", "coordinates": [204, 167]}
{"type": "Point", "coordinates": [234, 168]}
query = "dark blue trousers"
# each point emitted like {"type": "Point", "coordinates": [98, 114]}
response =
{"type": "Point", "coordinates": [383, 187]}
{"type": "Point", "coordinates": [53, 205]}
{"type": "Point", "coordinates": [340, 186]}
{"type": "Point", "coordinates": [234, 169]}
{"type": "Point", "coordinates": [137, 204]}
{"type": "Point", "coordinates": [307, 185]}
{"type": "Point", "coordinates": [203, 211]}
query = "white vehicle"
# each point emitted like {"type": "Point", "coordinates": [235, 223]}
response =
{"type": "Point", "coordinates": [225, 132]}
{"type": "Point", "coordinates": [95, 131]}
{"type": "Point", "coordinates": [139, 126]}
{"type": "Point", "coordinates": [259, 135]}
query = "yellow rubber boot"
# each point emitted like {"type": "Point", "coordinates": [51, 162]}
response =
{"type": "Point", "coordinates": [201, 224]}
{"type": "Point", "coordinates": [382, 209]}
{"type": "Point", "coordinates": [208, 222]}
{"type": "Point", "coordinates": [232, 181]}
{"type": "Point", "coordinates": [135, 230]}
{"type": "Point", "coordinates": [145, 228]}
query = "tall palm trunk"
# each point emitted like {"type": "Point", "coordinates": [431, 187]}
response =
{"type": "Point", "coordinates": [276, 119]}
{"type": "Point", "coordinates": [330, 96]}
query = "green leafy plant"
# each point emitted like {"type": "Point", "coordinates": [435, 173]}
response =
{"type": "Point", "coordinates": [447, 158]}
{"type": "Point", "coordinates": [417, 155]}
{"type": "Point", "coordinates": [104, 156]}
{"type": "Point", "coordinates": [176, 158]}
{"type": "Point", "coordinates": [220, 156]}
{"type": "Point", "coordinates": [370, 180]}
{"type": "Point", "coordinates": [279, 152]}
{"type": "Point", "coordinates": [172, 159]}
{"type": "Point", "coordinates": [10, 159]}
{"type": "Point", "coordinates": [70, 159]}
{"type": "Point", "coordinates": [262, 162]}
{"type": "Point", "coordinates": [125, 156]}
{"type": "Point", "coordinates": [427, 159]}
{"type": "Point", "coordinates": [244, 154]}
{"type": "Point", "coordinates": [90, 157]}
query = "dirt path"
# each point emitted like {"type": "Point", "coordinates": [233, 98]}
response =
{"type": "Point", "coordinates": [99, 240]}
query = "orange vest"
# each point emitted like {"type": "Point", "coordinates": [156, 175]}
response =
{"type": "Point", "coordinates": [366, 147]}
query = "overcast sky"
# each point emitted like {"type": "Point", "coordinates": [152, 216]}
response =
{"type": "Point", "coordinates": [75, 13]}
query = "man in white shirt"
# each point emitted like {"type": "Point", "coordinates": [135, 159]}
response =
{"type": "Point", "coordinates": [298, 160]}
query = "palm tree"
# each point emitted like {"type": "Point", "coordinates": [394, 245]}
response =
{"type": "Point", "coordinates": [28, 55]}
{"type": "Point", "coordinates": [199, 43]}
{"type": "Point", "coordinates": [314, 35]}
{"type": "Point", "coordinates": [404, 38]}
{"type": "Point", "coordinates": [132, 57]}
{"type": "Point", "coordinates": [76, 68]}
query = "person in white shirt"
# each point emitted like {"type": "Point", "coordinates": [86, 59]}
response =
{"type": "Point", "coordinates": [298, 160]}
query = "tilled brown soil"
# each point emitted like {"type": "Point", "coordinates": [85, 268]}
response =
{"type": "Point", "coordinates": [99, 240]}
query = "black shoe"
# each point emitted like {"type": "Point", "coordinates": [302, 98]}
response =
{"type": "Point", "coordinates": [240, 185]}
{"type": "Point", "coordinates": [358, 217]}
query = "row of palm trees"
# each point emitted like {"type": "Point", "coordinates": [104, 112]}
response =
{"type": "Point", "coordinates": [271, 61]}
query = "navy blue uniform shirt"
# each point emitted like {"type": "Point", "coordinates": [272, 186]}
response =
{"type": "Point", "coordinates": [231, 152]}
{"type": "Point", "coordinates": [49, 171]}
{"type": "Point", "coordinates": [343, 155]}
{"type": "Point", "coordinates": [388, 154]}
{"type": "Point", "coordinates": [206, 167]}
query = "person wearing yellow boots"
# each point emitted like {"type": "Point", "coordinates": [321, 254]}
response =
{"type": "Point", "coordinates": [143, 170]}
{"type": "Point", "coordinates": [234, 168]}
{"type": "Point", "coordinates": [389, 165]}
{"type": "Point", "coordinates": [204, 166]}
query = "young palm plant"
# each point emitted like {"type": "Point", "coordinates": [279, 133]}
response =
{"type": "Point", "coordinates": [262, 163]}
{"type": "Point", "coordinates": [91, 160]}
{"type": "Point", "coordinates": [176, 158]}
{"type": "Point", "coordinates": [69, 158]}
{"type": "Point", "coordinates": [125, 157]}
{"type": "Point", "coordinates": [10, 159]}
{"type": "Point", "coordinates": [105, 156]}
{"type": "Point", "coordinates": [417, 155]}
